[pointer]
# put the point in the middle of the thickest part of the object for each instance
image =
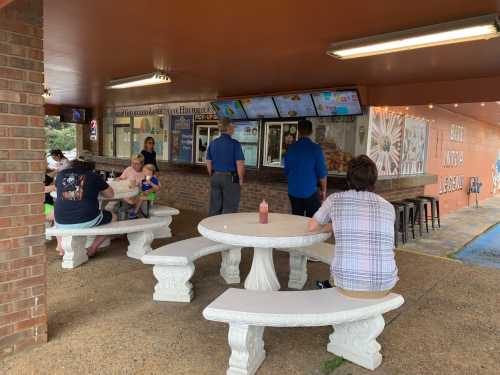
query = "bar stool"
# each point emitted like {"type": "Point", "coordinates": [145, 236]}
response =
{"type": "Point", "coordinates": [420, 212]}
{"type": "Point", "coordinates": [399, 223]}
{"type": "Point", "coordinates": [434, 209]}
{"type": "Point", "coordinates": [410, 216]}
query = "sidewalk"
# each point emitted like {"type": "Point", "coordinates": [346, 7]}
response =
{"type": "Point", "coordinates": [457, 229]}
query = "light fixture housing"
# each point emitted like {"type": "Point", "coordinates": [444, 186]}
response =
{"type": "Point", "coordinates": [46, 93]}
{"type": "Point", "coordinates": [155, 78]}
{"type": "Point", "coordinates": [476, 28]}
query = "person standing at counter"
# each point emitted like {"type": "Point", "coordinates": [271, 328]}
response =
{"type": "Point", "coordinates": [304, 167]}
{"type": "Point", "coordinates": [149, 152]}
{"type": "Point", "coordinates": [226, 168]}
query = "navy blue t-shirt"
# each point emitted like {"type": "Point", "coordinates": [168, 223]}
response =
{"type": "Point", "coordinates": [150, 158]}
{"type": "Point", "coordinates": [224, 152]}
{"type": "Point", "coordinates": [77, 191]}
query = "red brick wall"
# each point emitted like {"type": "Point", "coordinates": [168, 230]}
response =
{"type": "Point", "coordinates": [23, 311]}
{"type": "Point", "coordinates": [191, 191]}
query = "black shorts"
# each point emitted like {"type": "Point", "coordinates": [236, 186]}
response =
{"type": "Point", "coordinates": [106, 218]}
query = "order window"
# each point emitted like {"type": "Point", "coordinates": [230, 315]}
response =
{"type": "Point", "coordinates": [204, 135]}
{"type": "Point", "coordinates": [277, 138]}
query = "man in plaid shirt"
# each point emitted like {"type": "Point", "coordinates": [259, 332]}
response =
{"type": "Point", "coordinates": [363, 265]}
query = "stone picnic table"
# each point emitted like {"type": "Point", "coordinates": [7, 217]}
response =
{"type": "Point", "coordinates": [283, 231]}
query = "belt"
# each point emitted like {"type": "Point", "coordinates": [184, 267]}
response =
{"type": "Point", "coordinates": [224, 173]}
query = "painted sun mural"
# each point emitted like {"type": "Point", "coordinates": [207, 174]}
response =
{"type": "Point", "coordinates": [386, 130]}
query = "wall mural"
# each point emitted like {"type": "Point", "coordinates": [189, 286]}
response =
{"type": "Point", "coordinates": [384, 147]}
{"type": "Point", "coordinates": [414, 146]}
{"type": "Point", "coordinates": [495, 175]}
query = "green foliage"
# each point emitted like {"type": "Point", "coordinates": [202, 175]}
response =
{"type": "Point", "coordinates": [329, 366]}
{"type": "Point", "coordinates": [59, 135]}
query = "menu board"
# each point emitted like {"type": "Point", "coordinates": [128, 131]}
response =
{"type": "Point", "coordinates": [231, 109]}
{"type": "Point", "coordinates": [337, 103]}
{"type": "Point", "coordinates": [260, 107]}
{"type": "Point", "coordinates": [247, 133]}
{"type": "Point", "coordinates": [295, 105]}
{"type": "Point", "coordinates": [182, 139]}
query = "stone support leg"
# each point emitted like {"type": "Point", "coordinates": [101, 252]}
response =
{"type": "Point", "coordinates": [74, 251]}
{"type": "Point", "coordinates": [139, 244]}
{"type": "Point", "coordinates": [247, 349]}
{"type": "Point", "coordinates": [164, 231]}
{"type": "Point", "coordinates": [262, 275]}
{"type": "Point", "coordinates": [230, 265]}
{"type": "Point", "coordinates": [356, 341]}
{"type": "Point", "coordinates": [173, 283]}
{"type": "Point", "coordinates": [298, 270]}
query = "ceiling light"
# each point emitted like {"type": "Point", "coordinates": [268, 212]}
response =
{"type": "Point", "coordinates": [407, 108]}
{"type": "Point", "coordinates": [431, 106]}
{"type": "Point", "coordinates": [137, 81]}
{"type": "Point", "coordinates": [498, 102]}
{"type": "Point", "coordinates": [455, 105]}
{"type": "Point", "coordinates": [483, 104]}
{"type": "Point", "coordinates": [483, 27]}
{"type": "Point", "coordinates": [46, 94]}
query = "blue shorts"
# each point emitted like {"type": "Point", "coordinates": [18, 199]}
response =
{"type": "Point", "coordinates": [104, 217]}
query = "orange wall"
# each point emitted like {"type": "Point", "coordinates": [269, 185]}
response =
{"type": "Point", "coordinates": [480, 146]}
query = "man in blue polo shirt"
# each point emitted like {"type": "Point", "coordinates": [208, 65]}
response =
{"type": "Point", "coordinates": [305, 167]}
{"type": "Point", "coordinates": [226, 168]}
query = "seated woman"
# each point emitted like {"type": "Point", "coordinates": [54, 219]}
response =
{"type": "Point", "coordinates": [77, 205]}
{"type": "Point", "coordinates": [363, 265]}
{"type": "Point", "coordinates": [61, 161]}
{"type": "Point", "coordinates": [133, 173]}
{"type": "Point", "coordinates": [150, 186]}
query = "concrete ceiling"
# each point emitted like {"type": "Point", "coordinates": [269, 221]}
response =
{"type": "Point", "coordinates": [222, 48]}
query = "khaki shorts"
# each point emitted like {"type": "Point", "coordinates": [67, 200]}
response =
{"type": "Point", "coordinates": [361, 293]}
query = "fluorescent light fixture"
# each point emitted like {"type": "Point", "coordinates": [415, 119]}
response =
{"type": "Point", "coordinates": [484, 27]}
{"type": "Point", "coordinates": [138, 81]}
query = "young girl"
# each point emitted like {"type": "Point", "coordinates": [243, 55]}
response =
{"type": "Point", "coordinates": [150, 186]}
{"type": "Point", "coordinates": [149, 152]}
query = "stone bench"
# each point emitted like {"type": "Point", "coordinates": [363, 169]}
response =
{"type": "Point", "coordinates": [322, 252]}
{"type": "Point", "coordinates": [139, 233]}
{"type": "Point", "coordinates": [163, 213]}
{"type": "Point", "coordinates": [357, 322]}
{"type": "Point", "coordinates": [174, 266]}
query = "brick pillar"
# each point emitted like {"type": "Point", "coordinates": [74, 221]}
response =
{"type": "Point", "coordinates": [23, 265]}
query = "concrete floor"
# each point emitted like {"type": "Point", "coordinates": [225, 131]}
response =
{"type": "Point", "coordinates": [102, 320]}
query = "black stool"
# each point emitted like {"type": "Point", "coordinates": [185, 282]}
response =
{"type": "Point", "coordinates": [399, 223]}
{"type": "Point", "coordinates": [410, 216]}
{"type": "Point", "coordinates": [420, 212]}
{"type": "Point", "coordinates": [434, 209]}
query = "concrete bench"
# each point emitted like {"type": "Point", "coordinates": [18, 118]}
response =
{"type": "Point", "coordinates": [173, 266]}
{"type": "Point", "coordinates": [139, 233]}
{"type": "Point", "coordinates": [163, 213]}
{"type": "Point", "coordinates": [357, 322]}
{"type": "Point", "coordinates": [298, 262]}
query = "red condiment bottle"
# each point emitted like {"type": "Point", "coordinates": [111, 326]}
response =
{"type": "Point", "coordinates": [263, 212]}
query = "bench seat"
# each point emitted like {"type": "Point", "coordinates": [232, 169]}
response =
{"type": "Point", "coordinates": [298, 261]}
{"type": "Point", "coordinates": [174, 266]}
{"type": "Point", "coordinates": [139, 233]}
{"type": "Point", "coordinates": [357, 322]}
{"type": "Point", "coordinates": [163, 213]}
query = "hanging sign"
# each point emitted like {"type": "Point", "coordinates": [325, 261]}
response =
{"type": "Point", "coordinates": [93, 130]}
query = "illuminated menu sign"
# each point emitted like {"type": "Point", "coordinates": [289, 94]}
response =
{"type": "Point", "coordinates": [182, 139]}
{"type": "Point", "coordinates": [260, 107]}
{"type": "Point", "coordinates": [337, 103]}
{"type": "Point", "coordinates": [231, 109]}
{"type": "Point", "coordinates": [295, 105]}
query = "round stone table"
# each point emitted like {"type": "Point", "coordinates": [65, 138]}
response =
{"type": "Point", "coordinates": [243, 229]}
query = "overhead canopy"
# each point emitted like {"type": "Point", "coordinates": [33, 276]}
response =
{"type": "Point", "coordinates": [222, 48]}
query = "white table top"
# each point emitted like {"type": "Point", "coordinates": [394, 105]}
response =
{"type": "Point", "coordinates": [118, 195]}
{"type": "Point", "coordinates": [244, 229]}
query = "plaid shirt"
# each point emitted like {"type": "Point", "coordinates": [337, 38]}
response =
{"type": "Point", "coordinates": [363, 224]}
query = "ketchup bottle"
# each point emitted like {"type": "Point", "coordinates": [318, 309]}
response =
{"type": "Point", "coordinates": [263, 212]}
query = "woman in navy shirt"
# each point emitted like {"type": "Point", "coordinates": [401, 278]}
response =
{"type": "Point", "coordinates": [149, 152]}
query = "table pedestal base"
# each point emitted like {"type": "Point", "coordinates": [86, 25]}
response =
{"type": "Point", "coordinates": [262, 275]}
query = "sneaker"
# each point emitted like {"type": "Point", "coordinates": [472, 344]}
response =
{"type": "Point", "coordinates": [323, 284]}
{"type": "Point", "coordinates": [132, 215]}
